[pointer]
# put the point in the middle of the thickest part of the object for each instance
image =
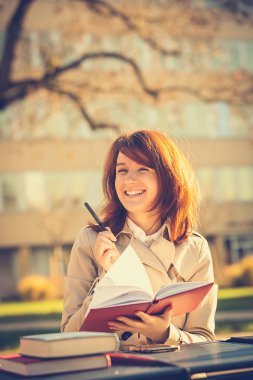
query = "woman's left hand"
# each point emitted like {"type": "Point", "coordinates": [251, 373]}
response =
{"type": "Point", "coordinates": [155, 327]}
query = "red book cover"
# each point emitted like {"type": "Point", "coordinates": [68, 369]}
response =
{"type": "Point", "coordinates": [182, 302]}
{"type": "Point", "coordinates": [30, 366]}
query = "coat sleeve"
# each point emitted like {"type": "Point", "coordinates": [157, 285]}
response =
{"type": "Point", "coordinates": [81, 274]}
{"type": "Point", "coordinates": [200, 323]}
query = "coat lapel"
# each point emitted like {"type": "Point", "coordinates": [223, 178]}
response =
{"type": "Point", "coordinates": [158, 256]}
{"type": "Point", "coordinates": [164, 251]}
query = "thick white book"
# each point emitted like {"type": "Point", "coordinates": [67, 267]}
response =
{"type": "Point", "coordinates": [68, 344]}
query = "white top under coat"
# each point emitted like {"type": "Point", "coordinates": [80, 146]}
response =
{"type": "Point", "coordinates": [140, 235]}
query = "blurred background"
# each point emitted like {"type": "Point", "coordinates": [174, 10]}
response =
{"type": "Point", "coordinates": [75, 74]}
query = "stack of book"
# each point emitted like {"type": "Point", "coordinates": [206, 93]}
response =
{"type": "Point", "coordinates": [61, 352]}
{"type": "Point", "coordinates": [116, 294]}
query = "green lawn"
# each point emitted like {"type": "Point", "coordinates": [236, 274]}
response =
{"type": "Point", "coordinates": [228, 299]}
{"type": "Point", "coordinates": [235, 292]}
{"type": "Point", "coordinates": [235, 299]}
{"type": "Point", "coordinates": [28, 308]}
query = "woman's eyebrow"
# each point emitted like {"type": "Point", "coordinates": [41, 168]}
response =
{"type": "Point", "coordinates": [120, 163]}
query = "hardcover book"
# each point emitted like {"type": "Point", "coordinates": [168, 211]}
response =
{"type": "Point", "coordinates": [68, 344]}
{"type": "Point", "coordinates": [28, 366]}
{"type": "Point", "coordinates": [118, 293]}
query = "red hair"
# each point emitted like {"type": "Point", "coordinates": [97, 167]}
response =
{"type": "Point", "coordinates": [178, 195]}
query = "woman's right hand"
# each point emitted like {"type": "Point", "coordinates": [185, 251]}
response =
{"type": "Point", "coordinates": [105, 251]}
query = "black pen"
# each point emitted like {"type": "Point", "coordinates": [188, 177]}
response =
{"type": "Point", "coordinates": [102, 226]}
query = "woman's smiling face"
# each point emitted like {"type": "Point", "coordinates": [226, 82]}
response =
{"type": "Point", "coordinates": [136, 185]}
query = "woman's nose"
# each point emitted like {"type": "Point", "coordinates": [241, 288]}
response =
{"type": "Point", "coordinates": [130, 177]}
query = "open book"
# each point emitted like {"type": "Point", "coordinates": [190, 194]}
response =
{"type": "Point", "coordinates": [123, 292]}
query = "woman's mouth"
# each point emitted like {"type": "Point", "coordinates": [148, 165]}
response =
{"type": "Point", "coordinates": [133, 193]}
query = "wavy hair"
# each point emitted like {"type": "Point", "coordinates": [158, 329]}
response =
{"type": "Point", "coordinates": [178, 195]}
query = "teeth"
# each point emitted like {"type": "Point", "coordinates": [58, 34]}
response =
{"type": "Point", "coordinates": [134, 192]}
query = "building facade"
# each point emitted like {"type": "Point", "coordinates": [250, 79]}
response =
{"type": "Point", "coordinates": [52, 162]}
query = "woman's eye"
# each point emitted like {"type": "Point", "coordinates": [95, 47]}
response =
{"type": "Point", "coordinates": [122, 171]}
{"type": "Point", "coordinates": [143, 169]}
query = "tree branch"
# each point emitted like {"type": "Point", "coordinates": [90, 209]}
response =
{"type": "Point", "coordinates": [12, 35]}
{"type": "Point", "coordinates": [18, 89]}
{"type": "Point", "coordinates": [76, 99]}
{"type": "Point", "coordinates": [100, 6]}
{"type": "Point", "coordinates": [240, 9]}
{"type": "Point", "coordinates": [12, 91]}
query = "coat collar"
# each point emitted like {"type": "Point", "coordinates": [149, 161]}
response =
{"type": "Point", "coordinates": [166, 232]}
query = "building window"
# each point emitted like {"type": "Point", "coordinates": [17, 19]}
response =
{"type": "Point", "coordinates": [226, 184]}
{"type": "Point", "coordinates": [9, 192]}
{"type": "Point", "coordinates": [239, 247]}
{"type": "Point", "coordinates": [44, 191]}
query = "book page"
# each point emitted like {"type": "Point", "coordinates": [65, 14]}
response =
{"type": "Point", "coordinates": [128, 270]}
{"type": "Point", "coordinates": [177, 288]}
{"type": "Point", "coordinates": [125, 275]}
{"type": "Point", "coordinates": [126, 295]}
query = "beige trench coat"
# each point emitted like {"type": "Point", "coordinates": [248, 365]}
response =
{"type": "Point", "coordinates": [164, 263]}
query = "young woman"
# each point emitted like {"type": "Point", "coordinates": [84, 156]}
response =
{"type": "Point", "coordinates": [151, 202]}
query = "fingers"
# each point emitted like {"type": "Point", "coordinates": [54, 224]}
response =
{"type": "Point", "coordinates": [105, 243]}
{"type": "Point", "coordinates": [125, 324]}
{"type": "Point", "coordinates": [108, 234]}
{"type": "Point", "coordinates": [105, 251]}
{"type": "Point", "coordinates": [117, 326]}
{"type": "Point", "coordinates": [105, 240]}
{"type": "Point", "coordinates": [146, 318]}
{"type": "Point", "coordinates": [153, 326]}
